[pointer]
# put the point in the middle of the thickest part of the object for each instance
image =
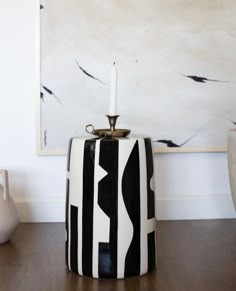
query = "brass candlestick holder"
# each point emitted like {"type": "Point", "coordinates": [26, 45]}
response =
{"type": "Point", "coordinates": [108, 132]}
{"type": "Point", "coordinates": [112, 121]}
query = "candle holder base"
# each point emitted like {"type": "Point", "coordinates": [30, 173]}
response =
{"type": "Point", "coordinates": [108, 132]}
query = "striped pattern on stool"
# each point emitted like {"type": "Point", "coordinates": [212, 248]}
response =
{"type": "Point", "coordinates": [110, 207]}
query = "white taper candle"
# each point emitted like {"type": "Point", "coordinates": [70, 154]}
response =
{"type": "Point", "coordinates": [113, 91]}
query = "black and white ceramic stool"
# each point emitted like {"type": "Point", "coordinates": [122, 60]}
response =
{"type": "Point", "coordinates": [110, 207]}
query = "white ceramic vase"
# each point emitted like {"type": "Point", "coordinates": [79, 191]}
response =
{"type": "Point", "coordinates": [8, 215]}
{"type": "Point", "coordinates": [232, 162]}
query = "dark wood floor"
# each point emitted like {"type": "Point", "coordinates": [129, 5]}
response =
{"type": "Point", "coordinates": [192, 255]}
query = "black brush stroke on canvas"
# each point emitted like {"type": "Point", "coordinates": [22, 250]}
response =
{"type": "Point", "coordinates": [45, 138]}
{"type": "Point", "coordinates": [229, 119]}
{"type": "Point", "coordinates": [202, 79]}
{"type": "Point", "coordinates": [42, 96]}
{"type": "Point", "coordinates": [51, 93]}
{"type": "Point", "coordinates": [171, 144]}
{"type": "Point", "coordinates": [89, 75]}
{"type": "Point", "coordinates": [234, 122]}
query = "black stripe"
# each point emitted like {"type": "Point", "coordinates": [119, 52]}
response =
{"type": "Point", "coordinates": [151, 251]}
{"type": "Point", "coordinates": [150, 204]}
{"type": "Point", "coordinates": [108, 202]}
{"type": "Point", "coordinates": [105, 263]}
{"type": "Point", "coordinates": [66, 219]}
{"type": "Point", "coordinates": [87, 216]}
{"type": "Point", "coordinates": [74, 238]}
{"type": "Point", "coordinates": [131, 195]}
{"type": "Point", "coordinates": [150, 192]}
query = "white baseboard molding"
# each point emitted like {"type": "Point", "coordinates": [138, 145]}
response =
{"type": "Point", "coordinates": [52, 209]}
{"type": "Point", "coordinates": [195, 207]}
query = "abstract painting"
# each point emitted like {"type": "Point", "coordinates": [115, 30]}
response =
{"type": "Point", "coordinates": [176, 67]}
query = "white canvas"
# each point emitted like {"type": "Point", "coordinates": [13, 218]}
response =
{"type": "Point", "coordinates": [176, 70]}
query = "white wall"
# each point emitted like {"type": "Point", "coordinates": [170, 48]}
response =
{"type": "Point", "coordinates": [187, 185]}
{"type": "Point", "coordinates": [193, 185]}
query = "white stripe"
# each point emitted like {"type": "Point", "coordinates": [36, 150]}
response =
{"type": "Point", "coordinates": [76, 189]}
{"type": "Point", "coordinates": [80, 271]}
{"type": "Point", "coordinates": [147, 225]}
{"type": "Point", "coordinates": [101, 222]}
{"type": "Point", "coordinates": [125, 226]}
{"type": "Point", "coordinates": [69, 224]}
{"type": "Point", "coordinates": [152, 184]}
{"type": "Point", "coordinates": [151, 225]}
{"type": "Point", "coordinates": [76, 172]}
{"type": "Point", "coordinates": [143, 208]}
